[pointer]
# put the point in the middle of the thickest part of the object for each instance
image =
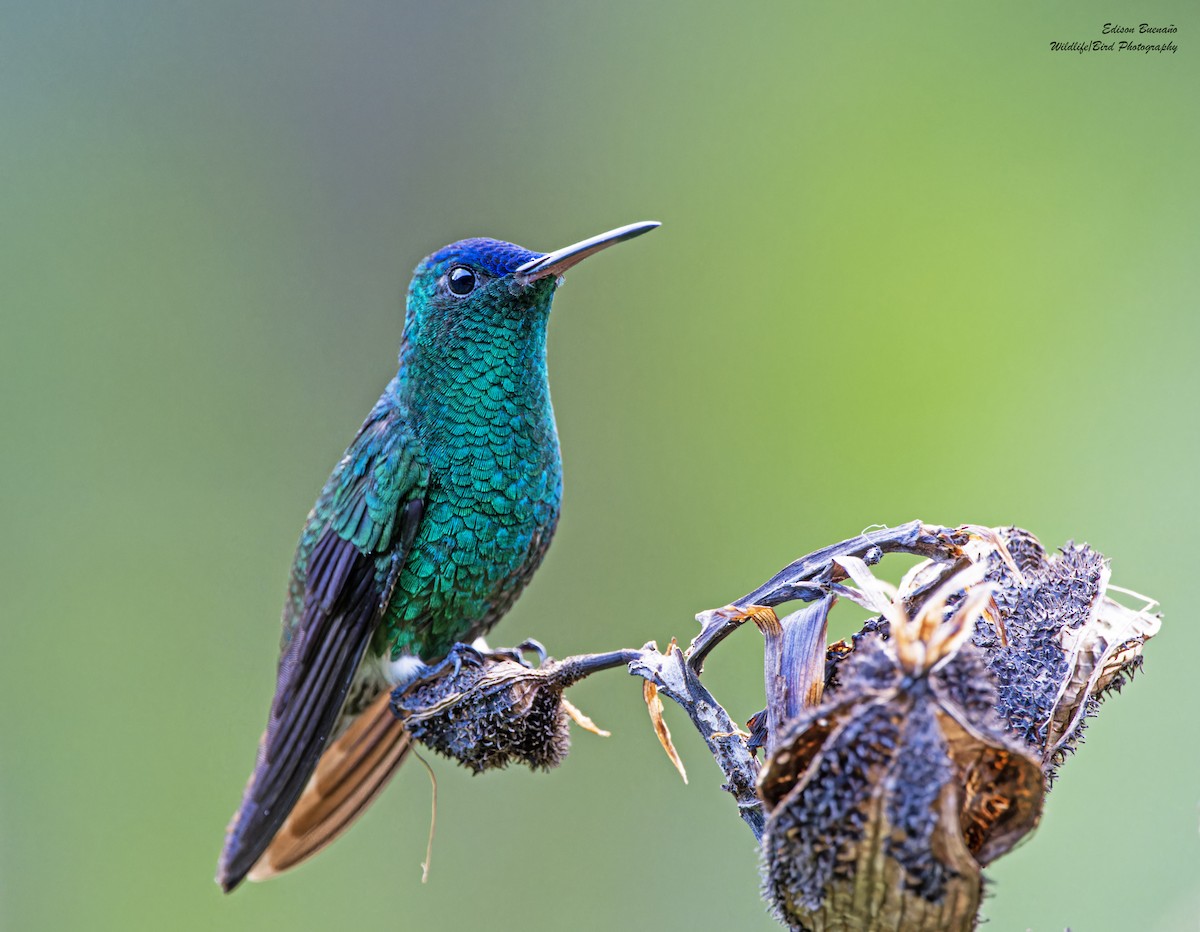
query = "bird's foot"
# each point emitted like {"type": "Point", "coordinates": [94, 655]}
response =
{"type": "Point", "coordinates": [514, 654]}
{"type": "Point", "coordinates": [450, 665]}
{"type": "Point", "coordinates": [476, 653]}
{"type": "Point", "coordinates": [533, 646]}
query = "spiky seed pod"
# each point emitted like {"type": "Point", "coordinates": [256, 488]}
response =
{"type": "Point", "coordinates": [940, 726]}
{"type": "Point", "coordinates": [885, 801]}
{"type": "Point", "coordinates": [1056, 642]}
{"type": "Point", "coordinates": [488, 712]}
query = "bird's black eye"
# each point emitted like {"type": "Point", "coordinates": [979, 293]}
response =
{"type": "Point", "coordinates": [461, 280]}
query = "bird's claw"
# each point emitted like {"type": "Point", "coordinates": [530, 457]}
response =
{"type": "Point", "coordinates": [512, 654]}
{"type": "Point", "coordinates": [477, 653]}
{"type": "Point", "coordinates": [450, 665]}
{"type": "Point", "coordinates": [533, 646]}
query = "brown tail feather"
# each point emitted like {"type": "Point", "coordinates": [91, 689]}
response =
{"type": "Point", "coordinates": [349, 775]}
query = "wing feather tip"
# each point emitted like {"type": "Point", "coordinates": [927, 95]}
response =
{"type": "Point", "coordinates": [228, 880]}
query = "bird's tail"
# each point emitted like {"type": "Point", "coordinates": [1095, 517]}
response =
{"type": "Point", "coordinates": [349, 775]}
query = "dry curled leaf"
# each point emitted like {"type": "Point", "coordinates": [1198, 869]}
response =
{"type": "Point", "coordinates": [655, 707]}
{"type": "Point", "coordinates": [582, 720]}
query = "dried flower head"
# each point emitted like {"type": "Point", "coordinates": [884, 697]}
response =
{"type": "Point", "coordinates": [940, 724]}
{"type": "Point", "coordinates": [891, 794]}
{"type": "Point", "coordinates": [489, 711]}
{"type": "Point", "coordinates": [1056, 642]}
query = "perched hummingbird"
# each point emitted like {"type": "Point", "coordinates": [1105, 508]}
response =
{"type": "Point", "coordinates": [423, 537]}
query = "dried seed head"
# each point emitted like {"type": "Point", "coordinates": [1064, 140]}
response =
{"type": "Point", "coordinates": [902, 783]}
{"type": "Point", "coordinates": [897, 789]}
{"type": "Point", "coordinates": [490, 712]}
{"type": "Point", "coordinates": [1057, 642]}
{"type": "Point", "coordinates": [925, 752]}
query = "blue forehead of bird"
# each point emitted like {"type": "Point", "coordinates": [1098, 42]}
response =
{"type": "Point", "coordinates": [495, 257]}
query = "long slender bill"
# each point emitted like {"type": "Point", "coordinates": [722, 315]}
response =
{"type": "Point", "coordinates": [557, 262]}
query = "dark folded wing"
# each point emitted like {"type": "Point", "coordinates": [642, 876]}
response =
{"type": "Point", "coordinates": [339, 615]}
{"type": "Point", "coordinates": [351, 552]}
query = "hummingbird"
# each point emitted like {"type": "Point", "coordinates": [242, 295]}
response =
{"type": "Point", "coordinates": [428, 530]}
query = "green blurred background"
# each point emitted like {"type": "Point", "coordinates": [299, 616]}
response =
{"type": "Point", "coordinates": [913, 264]}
